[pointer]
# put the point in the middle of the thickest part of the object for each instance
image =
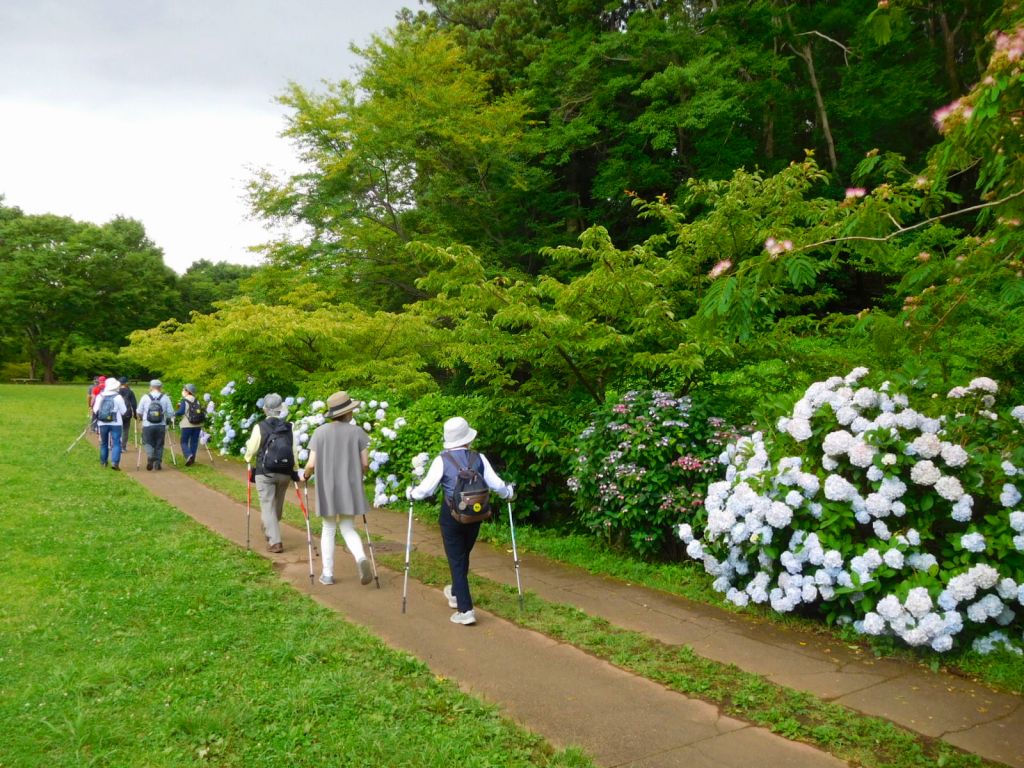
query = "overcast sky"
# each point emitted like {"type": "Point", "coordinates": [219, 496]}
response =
{"type": "Point", "coordinates": [158, 110]}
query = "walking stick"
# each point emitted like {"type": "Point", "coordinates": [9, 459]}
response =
{"type": "Point", "coordinates": [84, 431]}
{"type": "Point", "coordinates": [369, 544]}
{"type": "Point", "coordinates": [170, 444]}
{"type": "Point", "coordinates": [515, 554]}
{"type": "Point", "coordinates": [248, 501]}
{"type": "Point", "coordinates": [305, 495]}
{"type": "Point", "coordinates": [309, 533]}
{"type": "Point", "coordinates": [408, 546]}
{"type": "Point", "coordinates": [138, 444]}
{"type": "Point", "coordinates": [206, 445]}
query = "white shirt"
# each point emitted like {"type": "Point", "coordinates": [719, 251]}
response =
{"type": "Point", "coordinates": [432, 479]}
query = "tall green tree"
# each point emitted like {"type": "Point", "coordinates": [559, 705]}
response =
{"type": "Point", "coordinates": [68, 282]}
{"type": "Point", "coordinates": [206, 282]}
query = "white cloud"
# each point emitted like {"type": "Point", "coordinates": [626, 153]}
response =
{"type": "Point", "coordinates": [159, 111]}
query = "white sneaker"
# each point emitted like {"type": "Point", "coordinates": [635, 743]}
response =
{"type": "Point", "coordinates": [464, 618]}
{"type": "Point", "coordinates": [326, 580]}
{"type": "Point", "coordinates": [365, 572]}
{"type": "Point", "coordinates": [452, 601]}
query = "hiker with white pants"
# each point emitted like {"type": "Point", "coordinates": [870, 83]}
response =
{"type": "Point", "coordinates": [339, 455]}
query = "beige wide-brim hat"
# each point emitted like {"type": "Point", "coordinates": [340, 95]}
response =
{"type": "Point", "coordinates": [339, 404]}
{"type": "Point", "coordinates": [458, 433]}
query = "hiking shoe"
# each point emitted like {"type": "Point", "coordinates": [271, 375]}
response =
{"type": "Point", "coordinates": [326, 580]}
{"type": "Point", "coordinates": [149, 464]}
{"type": "Point", "coordinates": [452, 601]}
{"type": "Point", "coordinates": [190, 460]}
{"type": "Point", "coordinates": [276, 548]}
{"type": "Point", "coordinates": [115, 467]}
{"type": "Point", "coordinates": [467, 617]}
{"type": "Point", "coordinates": [157, 465]}
{"type": "Point", "coordinates": [365, 572]}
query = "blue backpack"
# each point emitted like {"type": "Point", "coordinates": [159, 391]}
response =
{"type": "Point", "coordinates": [108, 409]}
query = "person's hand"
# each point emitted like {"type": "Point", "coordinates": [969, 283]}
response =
{"type": "Point", "coordinates": [510, 492]}
{"type": "Point", "coordinates": [408, 492]}
{"type": "Point", "coordinates": [252, 475]}
{"type": "Point", "coordinates": [296, 477]}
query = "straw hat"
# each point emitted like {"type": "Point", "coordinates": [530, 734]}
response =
{"type": "Point", "coordinates": [339, 404]}
{"type": "Point", "coordinates": [458, 433]}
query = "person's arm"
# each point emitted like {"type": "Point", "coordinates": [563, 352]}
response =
{"type": "Point", "coordinates": [181, 409]}
{"type": "Point", "coordinates": [252, 445]}
{"type": "Point", "coordinates": [428, 485]}
{"type": "Point", "coordinates": [364, 460]}
{"type": "Point", "coordinates": [139, 409]}
{"type": "Point", "coordinates": [310, 466]}
{"type": "Point", "coordinates": [494, 482]}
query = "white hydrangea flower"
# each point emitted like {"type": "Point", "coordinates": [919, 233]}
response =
{"type": "Point", "coordinates": [881, 530]}
{"type": "Point", "coordinates": [925, 473]}
{"type": "Point", "coordinates": [838, 488]}
{"type": "Point", "coordinates": [983, 384]}
{"type": "Point", "coordinates": [889, 608]}
{"type": "Point", "coordinates": [954, 455]}
{"type": "Point", "coordinates": [892, 488]}
{"type": "Point", "coordinates": [861, 454]}
{"type": "Point", "coordinates": [927, 446]}
{"type": "Point", "coordinates": [799, 429]}
{"type": "Point", "coordinates": [889, 459]}
{"type": "Point", "coordinates": [962, 508]}
{"type": "Point", "coordinates": [878, 504]}
{"type": "Point", "coordinates": [1010, 495]}
{"type": "Point", "coordinates": [893, 558]}
{"type": "Point", "coordinates": [922, 561]}
{"type": "Point", "coordinates": [1018, 413]}
{"type": "Point", "coordinates": [1008, 468]}
{"type": "Point", "coordinates": [837, 443]}
{"type": "Point", "coordinates": [686, 533]}
{"type": "Point", "coordinates": [779, 515]}
{"type": "Point", "coordinates": [875, 474]}
{"type": "Point", "coordinates": [973, 542]}
{"type": "Point", "coordinates": [949, 488]}
{"type": "Point", "coordinates": [1017, 520]}
{"type": "Point", "coordinates": [855, 375]}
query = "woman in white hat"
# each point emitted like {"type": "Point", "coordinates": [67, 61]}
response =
{"type": "Point", "coordinates": [458, 531]}
{"type": "Point", "coordinates": [109, 409]}
{"type": "Point", "coordinates": [339, 455]}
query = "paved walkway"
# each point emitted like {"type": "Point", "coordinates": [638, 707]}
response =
{"type": "Point", "coordinates": [621, 719]}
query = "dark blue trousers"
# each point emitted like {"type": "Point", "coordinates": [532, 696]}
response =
{"type": "Point", "coordinates": [190, 441]}
{"type": "Point", "coordinates": [458, 539]}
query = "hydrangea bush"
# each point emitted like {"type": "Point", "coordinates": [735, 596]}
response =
{"type": "Point", "coordinates": [642, 466]}
{"type": "Point", "coordinates": [902, 521]}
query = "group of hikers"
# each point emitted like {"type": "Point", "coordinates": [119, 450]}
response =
{"type": "Point", "coordinates": [113, 405]}
{"type": "Point", "coordinates": [338, 460]}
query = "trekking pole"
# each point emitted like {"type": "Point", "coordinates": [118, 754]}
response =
{"type": "Point", "coordinates": [309, 533]}
{"type": "Point", "coordinates": [170, 443]}
{"type": "Point", "coordinates": [305, 495]}
{"type": "Point", "coordinates": [248, 501]}
{"type": "Point", "coordinates": [209, 453]}
{"type": "Point", "coordinates": [369, 544]}
{"type": "Point", "coordinates": [515, 554]}
{"type": "Point", "coordinates": [138, 456]}
{"type": "Point", "coordinates": [84, 431]}
{"type": "Point", "coordinates": [408, 546]}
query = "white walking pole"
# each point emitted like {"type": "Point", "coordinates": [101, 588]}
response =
{"type": "Point", "coordinates": [515, 554]}
{"type": "Point", "coordinates": [408, 547]}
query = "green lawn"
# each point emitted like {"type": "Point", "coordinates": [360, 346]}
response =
{"type": "Point", "coordinates": [132, 636]}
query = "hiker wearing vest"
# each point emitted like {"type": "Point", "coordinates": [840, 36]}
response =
{"type": "Point", "coordinates": [460, 523]}
{"type": "Point", "coordinates": [339, 455]}
{"type": "Point", "coordinates": [191, 418]}
{"type": "Point", "coordinates": [270, 454]}
{"type": "Point", "coordinates": [109, 408]}
{"type": "Point", "coordinates": [154, 412]}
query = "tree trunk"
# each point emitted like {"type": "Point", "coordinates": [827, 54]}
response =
{"type": "Point", "coordinates": [47, 358]}
{"type": "Point", "coordinates": [949, 54]}
{"type": "Point", "coordinates": [807, 55]}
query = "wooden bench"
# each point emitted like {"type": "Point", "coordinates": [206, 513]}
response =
{"type": "Point", "coordinates": [23, 381]}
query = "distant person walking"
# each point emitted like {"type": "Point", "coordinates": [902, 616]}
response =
{"type": "Point", "coordinates": [94, 392]}
{"type": "Point", "coordinates": [154, 411]}
{"type": "Point", "coordinates": [339, 455]}
{"type": "Point", "coordinates": [132, 404]}
{"type": "Point", "coordinates": [270, 454]}
{"type": "Point", "coordinates": [458, 536]}
{"type": "Point", "coordinates": [109, 408]}
{"type": "Point", "coordinates": [192, 417]}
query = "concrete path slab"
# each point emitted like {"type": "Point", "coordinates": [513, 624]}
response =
{"type": "Point", "coordinates": [555, 690]}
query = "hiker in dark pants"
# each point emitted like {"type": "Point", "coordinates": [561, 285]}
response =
{"type": "Point", "coordinates": [132, 404]}
{"type": "Point", "coordinates": [458, 537]}
{"type": "Point", "coordinates": [191, 416]}
{"type": "Point", "coordinates": [154, 412]}
{"type": "Point", "coordinates": [271, 482]}
{"type": "Point", "coordinates": [109, 407]}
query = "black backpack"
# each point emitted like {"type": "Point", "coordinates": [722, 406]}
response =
{"type": "Point", "coordinates": [107, 410]}
{"type": "Point", "coordinates": [194, 411]}
{"type": "Point", "coordinates": [276, 454]}
{"type": "Point", "coordinates": [470, 502]}
{"type": "Point", "coordinates": [155, 412]}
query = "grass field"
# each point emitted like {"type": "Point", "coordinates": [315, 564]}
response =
{"type": "Point", "coordinates": [132, 636]}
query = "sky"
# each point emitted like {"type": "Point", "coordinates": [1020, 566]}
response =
{"type": "Point", "coordinates": [161, 110]}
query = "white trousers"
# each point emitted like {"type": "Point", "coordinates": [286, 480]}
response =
{"type": "Point", "coordinates": [347, 524]}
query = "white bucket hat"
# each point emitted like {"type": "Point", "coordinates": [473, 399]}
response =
{"type": "Point", "coordinates": [111, 385]}
{"type": "Point", "coordinates": [458, 433]}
